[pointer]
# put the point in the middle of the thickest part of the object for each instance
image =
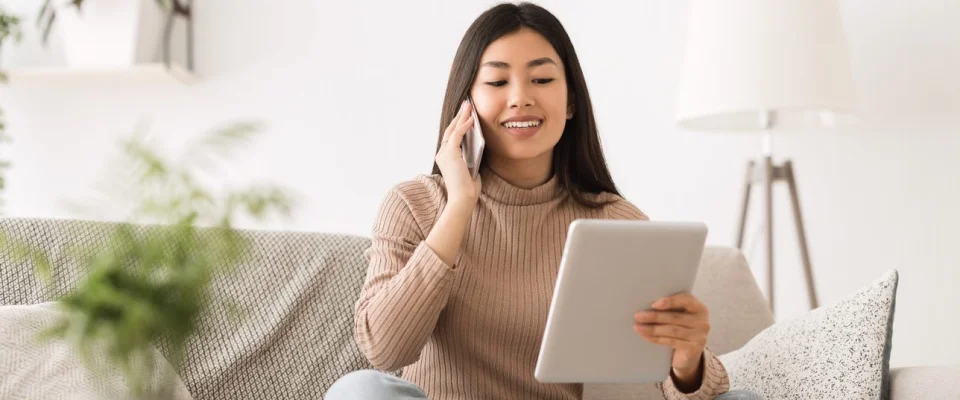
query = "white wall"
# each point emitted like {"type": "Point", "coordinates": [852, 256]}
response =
{"type": "Point", "coordinates": [351, 95]}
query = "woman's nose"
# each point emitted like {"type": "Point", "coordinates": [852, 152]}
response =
{"type": "Point", "coordinates": [520, 97]}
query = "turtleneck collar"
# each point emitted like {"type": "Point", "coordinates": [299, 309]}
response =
{"type": "Point", "coordinates": [500, 190]}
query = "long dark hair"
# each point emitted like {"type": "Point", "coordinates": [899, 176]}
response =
{"type": "Point", "coordinates": [578, 160]}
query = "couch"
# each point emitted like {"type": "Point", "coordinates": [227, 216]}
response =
{"type": "Point", "coordinates": [281, 324]}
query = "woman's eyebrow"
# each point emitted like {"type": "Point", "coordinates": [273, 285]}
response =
{"type": "Point", "coordinates": [531, 64]}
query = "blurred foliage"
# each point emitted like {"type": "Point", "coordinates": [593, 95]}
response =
{"type": "Point", "coordinates": [149, 282]}
{"type": "Point", "coordinates": [9, 30]}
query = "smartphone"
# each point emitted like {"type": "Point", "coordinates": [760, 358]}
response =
{"type": "Point", "coordinates": [473, 143]}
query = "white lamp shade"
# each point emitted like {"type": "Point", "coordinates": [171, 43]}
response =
{"type": "Point", "coordinates": [746, 59]}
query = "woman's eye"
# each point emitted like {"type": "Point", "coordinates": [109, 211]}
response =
{"type": "Point", "coordinates": [497, 83]}
{"type": "Point", "coordinates": [543, 81]}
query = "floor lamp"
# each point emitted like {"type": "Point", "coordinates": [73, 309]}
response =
{"type": "Point", "coordinates": [765, 66]}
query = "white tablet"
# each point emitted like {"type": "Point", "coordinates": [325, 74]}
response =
{"type": "Point", "coordinates": [611, 269]}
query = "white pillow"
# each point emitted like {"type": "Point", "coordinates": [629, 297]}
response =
{"type": "Point", "coordinates": [33, 369]}
{"type": "Point", "coordinates": [836, 352]}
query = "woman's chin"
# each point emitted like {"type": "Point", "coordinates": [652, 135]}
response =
{"type": "Point", "coordinates": [526, 154]}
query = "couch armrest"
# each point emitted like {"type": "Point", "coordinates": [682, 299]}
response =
{"type": "Point", "coordinates": [938, 382]}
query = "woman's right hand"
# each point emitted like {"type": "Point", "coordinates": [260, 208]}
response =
{"type": "Point", "coordinates": [461, 187]}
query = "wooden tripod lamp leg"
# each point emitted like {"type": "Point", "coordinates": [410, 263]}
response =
{"type": "Point", "coordinates": [747, 184]}
{"type": "Point", "coordinates": [801, 234]}
{"type": "Point", "coordinates": [768, 219]}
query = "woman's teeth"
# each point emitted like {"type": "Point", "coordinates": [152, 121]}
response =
{"type": "Point", "coordinates": [523, 124]}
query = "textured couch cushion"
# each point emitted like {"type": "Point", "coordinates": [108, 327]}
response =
{"type": "Point", "coordinates": [738, 311]}
{"type": "Point", "coordinates": [927, 382]}
{"type": "Point", "coordinates": [35, 369]}
{"type": "Point", "coordinates": [836, 352]}
{"type": "Point", "coordinates": [280, 326]}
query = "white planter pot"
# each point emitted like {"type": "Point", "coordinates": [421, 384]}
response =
{"type": "Point", "coordinates": [112, 33]}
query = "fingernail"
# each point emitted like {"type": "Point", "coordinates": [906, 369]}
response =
{"type": "Point", "coordinates": [463, 105]}
{"type": "Point", "coordinates": [660, 303]}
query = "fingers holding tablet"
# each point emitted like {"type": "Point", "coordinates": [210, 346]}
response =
{"type": "Point", "coordinates": [683, 319]}
{"type": "Point", "coordinates": [675, 312]}
{"type": "Point", "coordinates": [680, 322]}
{"type": "Point", "coordinates": [680, 301]}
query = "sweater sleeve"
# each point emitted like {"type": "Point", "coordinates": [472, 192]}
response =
{"type": "Point", "coordinates": [406, 286]}
{"type": "Point", "coordinates": [715, 381]}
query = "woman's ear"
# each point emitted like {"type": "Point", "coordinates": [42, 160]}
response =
{"type": "Point", "coordinates": [570, 111]}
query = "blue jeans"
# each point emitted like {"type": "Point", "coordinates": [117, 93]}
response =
{"type": "Point", "coordinates": [370, 384]}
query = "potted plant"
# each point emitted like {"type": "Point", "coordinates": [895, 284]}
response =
{"type": "Point", "coordinates": [114, 33]}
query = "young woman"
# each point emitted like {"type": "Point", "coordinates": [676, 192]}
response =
{"type": "Point", "coordinates": [462, 270]}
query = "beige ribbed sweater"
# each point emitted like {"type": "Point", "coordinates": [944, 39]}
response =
{"type": "Point", "coordinates": [473, 330]}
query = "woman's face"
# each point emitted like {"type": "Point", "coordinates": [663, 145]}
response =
{"type": "Point", "coordinates": [520, 95]}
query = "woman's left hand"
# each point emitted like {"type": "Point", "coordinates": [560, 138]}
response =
{"type": "Point", "coordinates": [681, 322]}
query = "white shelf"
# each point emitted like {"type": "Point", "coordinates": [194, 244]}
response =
{"type": "Point", "coordinates": [64, 77]}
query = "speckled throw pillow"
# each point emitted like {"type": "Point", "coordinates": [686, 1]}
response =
{"type": "Point", "coordinates": [836, 352]}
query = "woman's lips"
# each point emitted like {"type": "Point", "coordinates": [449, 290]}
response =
{"type": "Point", "coordinates": [522, 132]}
